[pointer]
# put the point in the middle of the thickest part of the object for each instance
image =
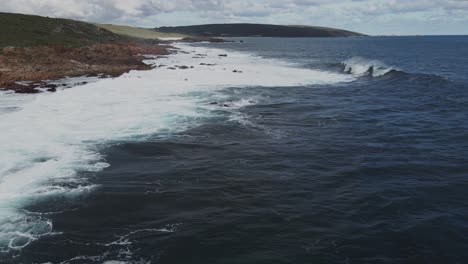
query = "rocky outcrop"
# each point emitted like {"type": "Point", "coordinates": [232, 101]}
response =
{"type": "Point", "coordinates": [36, 64]}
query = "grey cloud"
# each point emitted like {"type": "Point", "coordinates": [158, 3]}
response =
{"type": "Point", "coordinates": [124, 8]}
{"type": "Point", "coordinates": [323, 12]}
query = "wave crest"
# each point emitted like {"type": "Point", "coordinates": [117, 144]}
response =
{"type": "Point", "coordinates": [360, 66]}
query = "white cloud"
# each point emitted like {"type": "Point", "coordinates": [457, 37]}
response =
{"type": "Point", "coordinates": [370, 16]}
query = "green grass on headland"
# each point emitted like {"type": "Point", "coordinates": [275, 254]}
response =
{"type": "Point", "coordinates": [26, 30]}
{"type": "Point", "coordinates": [137, 32]}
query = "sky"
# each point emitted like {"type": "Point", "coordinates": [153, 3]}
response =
{"type": "Point", "coordinates": [374, 17]}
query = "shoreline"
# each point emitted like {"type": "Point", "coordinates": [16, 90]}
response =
{"type": "Point", "coordinates": [26, 70]}
{"type": "Point", "coordinates": [31, 70]}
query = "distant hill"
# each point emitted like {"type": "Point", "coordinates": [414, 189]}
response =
{"type": "Point", "coordinates": [258, 30]}
{"type": "Point", "coordinates": [27, 30]}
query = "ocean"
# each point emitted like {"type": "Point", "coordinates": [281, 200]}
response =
{"type": "Point", "coordinates": [324, 150]}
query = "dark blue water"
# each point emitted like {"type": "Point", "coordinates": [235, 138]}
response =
{"type": "Point", "coordinates": [372, 171]}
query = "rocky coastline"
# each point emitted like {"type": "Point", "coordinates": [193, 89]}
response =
{"type": "Point", "coordinates": [23, 70]}
{"type": "Point", "coordinates": [30, 69]}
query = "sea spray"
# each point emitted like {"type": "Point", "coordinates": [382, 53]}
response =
{"type": "Point", "coordinates": [360, 66]}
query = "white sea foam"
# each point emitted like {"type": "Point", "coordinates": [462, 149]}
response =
{"type": "Point", "coordinates": [46, 139]}
{"type": "Point", "coordinates": [169, 38]}
{"type": "Point", "coordinates": [359, 66]}
{"type": "Point", "coordinates": [10, 101]}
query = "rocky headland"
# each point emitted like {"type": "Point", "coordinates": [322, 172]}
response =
{"type": "Point", "coordinates": [23, 69]}
{"type": "Point", "coordinates": [35, 50]}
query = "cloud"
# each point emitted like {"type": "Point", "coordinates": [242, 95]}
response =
{"type": "Point", "coordinates": [360, 15]}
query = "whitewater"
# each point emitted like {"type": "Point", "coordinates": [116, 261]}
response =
{"type": "Point", "coordinates": [49, 141]}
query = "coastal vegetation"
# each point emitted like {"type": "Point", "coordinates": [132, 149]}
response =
{"type": "Point", "coordinates": [137, 32]}
{"type": "Point", "coordinates": [36, 49]}
{"type": "Point", "coordinates": [28, 31]}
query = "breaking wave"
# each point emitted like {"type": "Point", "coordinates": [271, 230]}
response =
{"type": "Point", "coordinates": [360, 66]}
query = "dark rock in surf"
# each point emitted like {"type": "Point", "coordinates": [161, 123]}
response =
{"type": "Point", "coordinates": [370, 71]}
{"type": "Point", "coordinates": [50, 86]}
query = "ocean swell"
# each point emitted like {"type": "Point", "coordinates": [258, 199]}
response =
{"type": "Point", "coordinates": [47, 140]}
